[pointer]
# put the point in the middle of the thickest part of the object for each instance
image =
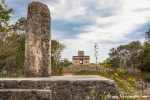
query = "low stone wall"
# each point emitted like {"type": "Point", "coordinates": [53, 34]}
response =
{"type": "Point", "coordinates": [88, 68]}
{"type": "Point", "coordinates": [63, 87]}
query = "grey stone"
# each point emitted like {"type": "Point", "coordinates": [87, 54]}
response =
{"type": "Point", "coordinates": [38, 41]}
{"type": "Point", "coordinates": [62, 87]}
{"type": "Point", "coordinates": [25, 94]}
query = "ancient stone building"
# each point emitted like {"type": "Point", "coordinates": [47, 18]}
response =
{"type": "Point", "coordinates": [38, 41]}
{"type": "Point", "coordinates": [81, 59]}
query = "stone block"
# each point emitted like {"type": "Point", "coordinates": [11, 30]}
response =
{"type": "Point", "coordinates": [38, 41]}
{"type": "Point", "coordinates": [62, 87]}
{"type": "Point", "coordinates": [25, 94]}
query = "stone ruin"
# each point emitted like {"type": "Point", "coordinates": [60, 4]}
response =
{"type": "Point", "coordinates": [38, 64]}
{"type": "Point", "coordinates": [38, 41]}
{"type": "Point", "coordinates": [81, 59]}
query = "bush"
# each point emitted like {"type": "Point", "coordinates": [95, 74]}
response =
{"type": "Point", "coordinates": [147, 77]}
{"type": "Point", "coordinates": [60, 70]}
{"type": "Point", "coordinates": [83, 71]}
{"type": "Point", "coordinates": [23, 75]}
{"type": "Point", "coordinates": [4, 75]}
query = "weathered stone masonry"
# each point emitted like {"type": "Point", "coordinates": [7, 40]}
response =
{"type": "Point", "coordinates": [81, 59]}
{"type": "Point", "coordinates": [38, 41]}
{"type": "Point", "coordinates": [62, 87]}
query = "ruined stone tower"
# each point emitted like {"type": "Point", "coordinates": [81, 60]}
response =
{"type": "Point", "coordinates": [81, 59]}
{"type": "Point", "coordinates": [38, 41]}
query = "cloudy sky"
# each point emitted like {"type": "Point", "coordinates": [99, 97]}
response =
{"type": "Point", "coordinates": [79, 24]}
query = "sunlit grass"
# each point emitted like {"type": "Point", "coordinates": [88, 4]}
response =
{"type": "Point", "coordinates": [56, 74]}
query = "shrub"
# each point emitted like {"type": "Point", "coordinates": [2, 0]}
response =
{"type": "Point", "coordinates": [122, 71]}
{"type": "Point", "coordinates": [147, 77]}
{"type": "Point", "coordinates": [131, 80]}
{"type": "Point", "coordinates": [60, 70]}
{"type": "Point", "coordinates": [83, 71]}
{"type": "Point", "coordinates": [23, 75]}
{"type": "Point", "coordinates": [4, 75]}
{"type": "Point", "coordinates": [105, 74]}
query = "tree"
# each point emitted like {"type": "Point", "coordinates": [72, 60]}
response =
{"type": "Point", "coordinates": [147, 35]}
{"type": "Point", "coordinates": [144, 55]}
{"type": "Point", "coordinates": [95, 55]}
{"type": "Point", "coordinates": [54, 45]}
{"type": "Point", "coordinates": [65, 63]}
{"type": "Point", "coordinates": [53, 64]}
{"type": "Point", "coordinates": [8, 39]}
{"type": "Point", "coordinates": [134, 48]}
{"type": "Point", "coordinates": [20, 52]}
{"type": "Point", "coordinates": [114, 58]}
{"type": "Point", "coordinates": [20, 25]}
{"type": "Point", "coordinates": [4, 18]}
{"type": "Point", "coordinates": [57, 48]}
{"type": "Point", "coordinates": [125, 55]}
{"type": "Point", "coordinates": [143, 58]}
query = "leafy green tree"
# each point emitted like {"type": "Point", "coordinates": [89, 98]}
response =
{"type": "Point", "coordinates": [53, 64]}
{"type": "Point", "coordinates": [144, 55]}
{"type": "Point", "coordinates": [65, 63]}
{"type": "Point", "coordinates": [54, 45]}
{"type": "Point", "coordinates": [20, 26]}
{"type": "Point", "coordinates": [114, 58]}
{"type": "Point", "coordinates": [147, 35]}
{"type": "Point", "coordinates": [114, 63]}
{"type": "Point", "coordinates": [143, 58]}
{"type": "Point", "coordinates": [134, 48]}
{"type": "Point", "coordinates": [57, 56]}
{"type": "Point", "coordinates": [5, 17]}
{"type": "Point", "coordinates": [21, 53]}
{"type": "Point", "coordinates": [8, 39]}
{"type": "Point", "coordinates": [56, 49]}
{"type": "Point", "coordinates": [125, 55]}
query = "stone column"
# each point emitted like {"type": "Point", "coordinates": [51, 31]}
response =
{"type": "Point", "coordinates": [38, 41]}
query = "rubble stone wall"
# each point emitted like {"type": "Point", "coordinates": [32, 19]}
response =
{"type": "Point", "coordinates": [67, 89]}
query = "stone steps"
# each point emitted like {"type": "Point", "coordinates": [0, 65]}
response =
{"type": "Point", "coordinates": [25, 94]}
{"type": "Point", "coordinates": [55, 87]}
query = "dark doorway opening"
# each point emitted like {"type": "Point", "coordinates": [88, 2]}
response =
{"type": "Point", "coordinates": [81, 61]}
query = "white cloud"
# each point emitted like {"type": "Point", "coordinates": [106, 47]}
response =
{"type": "Point", "coordinates": [114, 28]}
{"type": "Point", "coordinates": [105, 22]}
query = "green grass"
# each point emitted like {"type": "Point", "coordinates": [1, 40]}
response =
{"type": "Point", "coordinates": [56, 74]}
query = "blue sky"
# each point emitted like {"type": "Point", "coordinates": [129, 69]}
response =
{"type": "Point", "coordinates": [79, 24]}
